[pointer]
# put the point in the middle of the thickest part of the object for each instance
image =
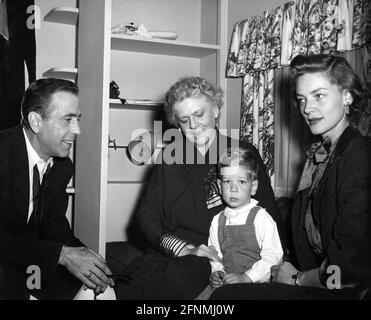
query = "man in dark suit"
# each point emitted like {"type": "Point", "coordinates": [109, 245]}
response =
{"type": "Point", "coordinates": [35, 236]}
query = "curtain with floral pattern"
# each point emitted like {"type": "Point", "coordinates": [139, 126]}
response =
{"type": "Point", "coordinates": [271, 40]}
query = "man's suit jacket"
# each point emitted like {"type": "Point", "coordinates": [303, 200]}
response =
{"type": "Point", "coordinates": [343, 206]}
{"type": "Point", "coordinates": [20, 244]}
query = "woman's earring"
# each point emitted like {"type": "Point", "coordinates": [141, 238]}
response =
{"type": "Point", "coordinates": [347, 104]}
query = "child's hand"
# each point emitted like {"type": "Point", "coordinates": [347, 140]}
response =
{"type": "Point", "coordinates": [230, 278]}
{"type": "Point", "coordinates": [216, 279]}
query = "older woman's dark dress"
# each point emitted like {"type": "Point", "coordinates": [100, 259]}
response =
{"type": "Point", "coordinates": [176, 201]}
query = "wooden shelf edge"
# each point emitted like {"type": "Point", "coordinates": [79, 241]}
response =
{"type": "Point", "coordinates": [64, 15]}
{"type": "Point", "coordinates": [61, 73]}
{"type": "Point", "coordinates": [116, 104]}
{"type": "Point", "coordinates": [126, 182]}
{"type": "Point", "coordinates": [162, 46]}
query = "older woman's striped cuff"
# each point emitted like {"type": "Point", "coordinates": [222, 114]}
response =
{"type": "Point", "coordinates": [172, 245]}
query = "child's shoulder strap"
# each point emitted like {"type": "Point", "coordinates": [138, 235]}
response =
{"type": "Point", "coordinates": [253, 212]}
{"type": "Point", "coordinates": [222, 218]}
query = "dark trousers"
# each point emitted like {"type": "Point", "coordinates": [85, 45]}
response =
{"type": "Point", "coordinates": [278, 291]}
{"type": "Point", "coordinates": [152, 276]}
{"type": "Point", "coordinates": [119, 255]}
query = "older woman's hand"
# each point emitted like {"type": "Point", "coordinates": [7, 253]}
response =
{"type": "Point", "coordinates": [201, 251]}
{"type": "Point", "coordinates": [282, 273]}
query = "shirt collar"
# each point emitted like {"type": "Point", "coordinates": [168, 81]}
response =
{"type": "Point", "coordinates": [231, 212]}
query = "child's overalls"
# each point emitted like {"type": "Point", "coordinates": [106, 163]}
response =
{"type": "Point", "coordinates": [238, 243]}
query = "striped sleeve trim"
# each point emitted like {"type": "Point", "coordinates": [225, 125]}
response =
{"type": "Point", "coordinates": [171, 245]}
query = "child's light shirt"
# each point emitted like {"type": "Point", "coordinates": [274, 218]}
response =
{"type": "Point", "coordinates": [266, 235]}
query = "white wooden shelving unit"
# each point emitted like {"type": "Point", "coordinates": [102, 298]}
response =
{"type": "Point", "coordinates": [107, 184]}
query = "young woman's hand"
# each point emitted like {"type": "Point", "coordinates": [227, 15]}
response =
{"type": "Point", "coordinates": [282, 273]}
{"type": "Point", "coordinates": [230, 278]}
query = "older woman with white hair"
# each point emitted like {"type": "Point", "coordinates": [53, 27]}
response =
{"type": "Point", "coordinates": [182, 198]}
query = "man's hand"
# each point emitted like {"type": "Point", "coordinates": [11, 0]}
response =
{"type": "Point", "coordinates": [87, 266]}
{"type": "Point", "coordinates": [282, 273]}
{"type": "Point", "coordinates": [230, 278]}
{"type": "Point", "coordinates": [216, 279]}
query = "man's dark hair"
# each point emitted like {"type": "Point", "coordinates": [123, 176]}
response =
{"type": "Point", "coordinates": [38, 96]}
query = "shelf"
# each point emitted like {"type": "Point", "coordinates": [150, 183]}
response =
{"type": "Point", "coordinates": [116, 104]}
{"type": "Point", "coordinates": [161, 46]}
{"type": "Point", "coordinates": [65, 15]}
{"type": "Point", "coordinates": [125, 182]}
{"type": "Point", "coordinates": [61, 73]}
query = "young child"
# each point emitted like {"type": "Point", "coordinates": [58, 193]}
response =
{"type": "Point", "coordinates": [244, 234]}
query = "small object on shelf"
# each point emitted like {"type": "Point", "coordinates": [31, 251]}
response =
{"type": "Point", "coordinates": [141, 31]}
{"type": "Point", "coordinates": [138, 102]}
{"type": "Point", "coordinates": [168, 35]}
{"type": "Point", "coordinates": [124, 28]}
{"type": "Point", "coordinates": [114, 92]}
{"type": "Point", "coordinates": [134, 104]}
{"type": "Point", "coordinates": [144, 102]}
